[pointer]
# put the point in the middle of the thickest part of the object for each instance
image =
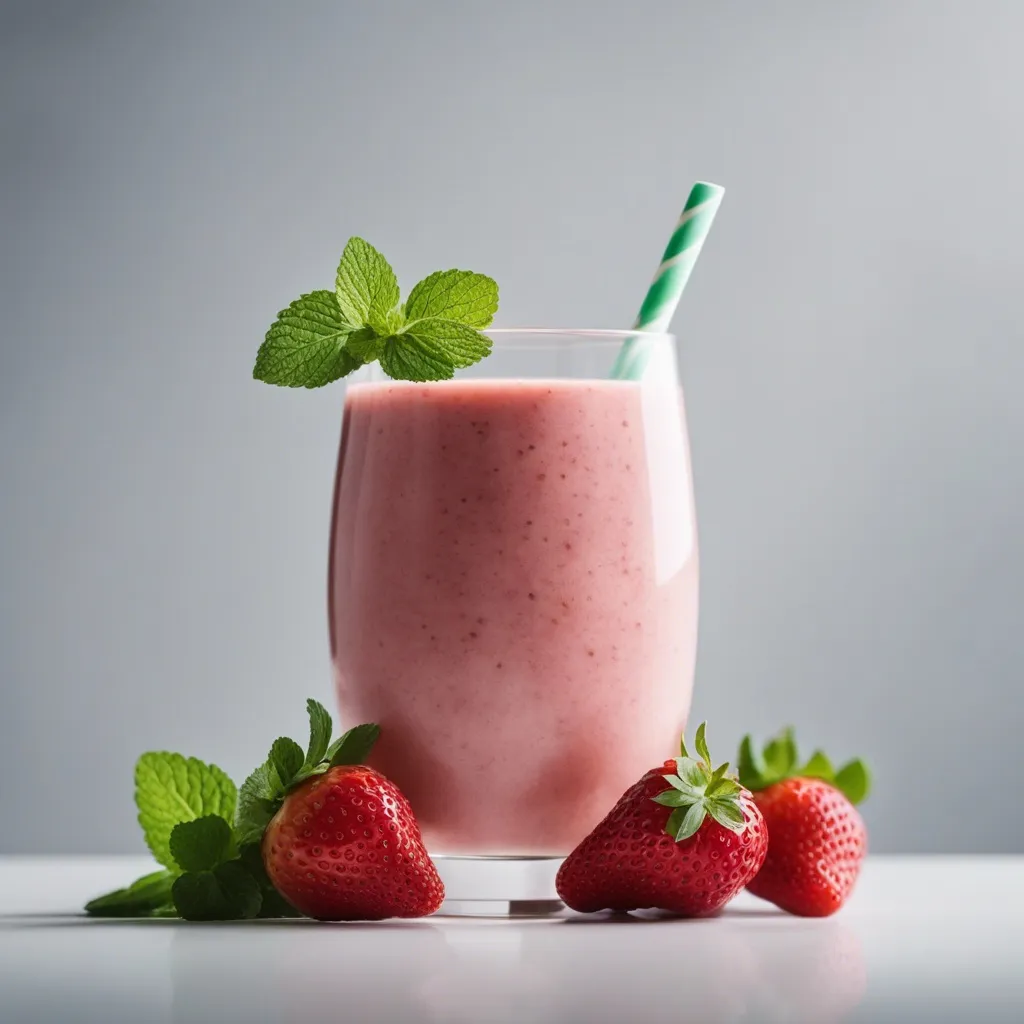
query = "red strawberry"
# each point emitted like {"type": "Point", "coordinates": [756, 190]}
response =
{"type": "Point", "coordinates": [817, 838]}
{"type": "Point", "coordinates": [687, 847]}
{"type": "Point", "coordinates": [345, 846]}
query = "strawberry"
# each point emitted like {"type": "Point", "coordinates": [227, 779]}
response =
{"type": "Point", "coordinates": [345, 846]}
{"type": "Point", "coordinates": [817, 838]}
{"type": "Point", "coordinates": [311, 831]}
{"type": "Point", "coordinates": [688, 847]}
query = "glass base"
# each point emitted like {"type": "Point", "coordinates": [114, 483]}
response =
{"type": "Point", "coordinates": [499, 886]}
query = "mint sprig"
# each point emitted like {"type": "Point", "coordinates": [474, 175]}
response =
{"type": "Point", "coordinates": [170, 789]}
{"type": "Point", "coordinates": [202, 844]}
{"type": "Point", "coordinates": [323, 336]}
{"type": "Point", "coordinates": [144, 897]}
{"type": "Point", "coordinates": [780, 760]}
{"type": "Point", "coordinates": [225, 893]}
{"type": "Point", "coordinates": [207, 835]}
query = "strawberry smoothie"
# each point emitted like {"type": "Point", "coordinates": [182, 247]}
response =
{"type": "Point", "coordinates": [513, 597]}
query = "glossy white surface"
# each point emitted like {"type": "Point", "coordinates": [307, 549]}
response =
{"type": "Point", "coordinates": [936, 939]}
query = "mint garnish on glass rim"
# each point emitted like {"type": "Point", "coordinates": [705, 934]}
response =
{"type": "Point", "coordinates": [325, 335]}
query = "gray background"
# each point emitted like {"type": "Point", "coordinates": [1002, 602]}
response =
{"type": "Point", "coordinates": [172, 174]}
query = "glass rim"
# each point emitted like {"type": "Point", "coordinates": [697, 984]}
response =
{"type": "Point", "coordinates": [578, 334]}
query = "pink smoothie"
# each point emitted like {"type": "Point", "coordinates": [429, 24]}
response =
{"type": "Point", "coordinates": [513, 597]}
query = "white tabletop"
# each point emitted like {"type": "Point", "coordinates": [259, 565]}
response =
{"type": "Point", "coordinates": [936, 939]}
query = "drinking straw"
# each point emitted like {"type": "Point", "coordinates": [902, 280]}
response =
{"type": "Point", "coordinates": [674, 271]}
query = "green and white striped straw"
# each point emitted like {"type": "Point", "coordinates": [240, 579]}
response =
{"type": "Point", "coordinates": [667, 287]}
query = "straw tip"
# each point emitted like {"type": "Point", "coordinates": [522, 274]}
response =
{"type": "Point", "coordinates": [709, 189]}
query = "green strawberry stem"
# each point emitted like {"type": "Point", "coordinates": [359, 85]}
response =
{"type": "Point", "coordinates": [779, 760]}
{"type": "Point", "coordinates": [696, 791]}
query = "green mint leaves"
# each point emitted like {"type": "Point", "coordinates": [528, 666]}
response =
{"type": "Point", "coordinates": [697, 791]}
{"type": "Point", "coordinates": [215, 885]}
{"type": "Point", "coordinates": [324, 335]}
{"type": "Point", "coordinates": [366, 286]}
{"type": "Point", "coordinates": [170, 789]}
{"type": "Point", "coordinates": [779, 760]}
{"type": "Point", "coordinates": [201, 844]}
{"type": "Point", "coordinates": [142, 898]}
{"type": "Point", "coordinates": [305, 346]}
{"type": "Point", "coordinates": [226, 893]}
{"type": "Point", "coordinates": [207, 835]}
{"type": "Point", "coordinates": [458, 295]}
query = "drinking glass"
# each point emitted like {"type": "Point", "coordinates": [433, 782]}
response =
{"type": "Point", "coordinates": [513, 596]}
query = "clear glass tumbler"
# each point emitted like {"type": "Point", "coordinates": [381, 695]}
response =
{"type": "Point", "coordinates": [513, 596]}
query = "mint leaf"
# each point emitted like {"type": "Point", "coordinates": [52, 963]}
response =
{"type": "Point", "coordinates": [143, 897]}
{"type": "Point", "coordinates": [366, 286]}
{"type": "Point", "coordinates": [250, 857]}
{"type": "Point", "coordinates": [355, 745]}
{"type": "Point", "coordinates": [463, 345]}
{"type": "Point", "coordinates": [202, 844]}
{"type": "Point", "coordinates": [287, 758]}
{"type": "Point", "coordinates": [454, 295]}
{"type": "Point", "coordinates": [170, 789]}
{"type": "Point", "coordinates": [240, 888]}
{"type": "Point", "coordinates": [365, 345]}
{"type": "Point", "coordinates": [274, 904]}
{"type": "Point", "coordinates": [198, 897]}
{"type": "Point", "coordinates": [409, 357]}
{"type": "Point", "coordinates": [228, 893]}
{"type": "Point", "coordinates": [305, 346]}
{"type": "Point", "coordinates": [320, 726]}
{"type": "Point", "coordinates": [257, 803]}
{"type": "Point", "coordinates": [854, 781]}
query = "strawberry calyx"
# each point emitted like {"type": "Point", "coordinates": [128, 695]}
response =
{"type": "Point", "coordinates": [779, 760]}
{"type": "Point", "coordinates": [696, 791]}
{"type": "Point", "coordinates": [263, 792]}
